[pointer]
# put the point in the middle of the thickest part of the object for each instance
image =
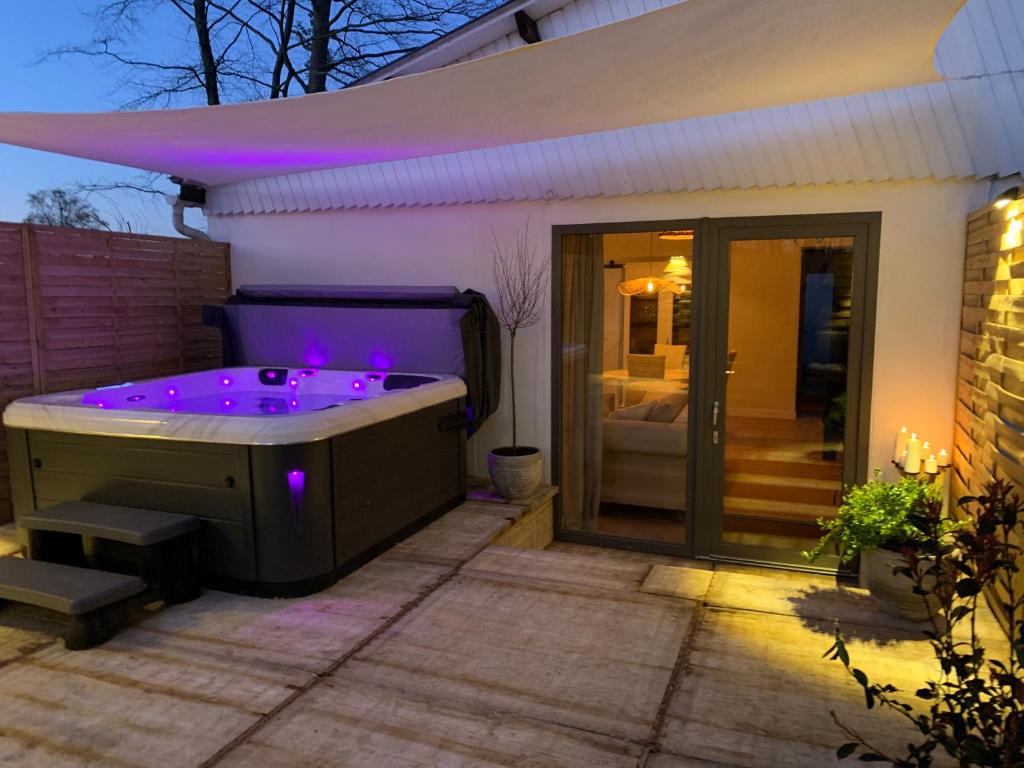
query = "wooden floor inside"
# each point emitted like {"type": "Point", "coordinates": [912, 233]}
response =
{"type": "Point", "coordinates": [451, 652]}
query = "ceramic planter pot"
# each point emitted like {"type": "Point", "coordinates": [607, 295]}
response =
{"type": "Point", "coordinates": [515, 472]}
{"type": "Point", "coordinates": [894, 592]}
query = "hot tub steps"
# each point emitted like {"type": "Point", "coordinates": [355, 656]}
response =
{"type": "Point", "coordinates": [160, 547]}
{"type": "Point", "coordinates": [91, 598]}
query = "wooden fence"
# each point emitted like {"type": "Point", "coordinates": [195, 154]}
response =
{"type": "Point", "coordinates": [989, 431]}
{"type": "Point", "coordinates": [82, 308]}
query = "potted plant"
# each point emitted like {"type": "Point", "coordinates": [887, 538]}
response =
{"type": "Point", "coordinates": [972, 712]}
{"type": "Point", "coordinates": [520, 282]}
{"type": "Point", "coordinates": [875, 521]}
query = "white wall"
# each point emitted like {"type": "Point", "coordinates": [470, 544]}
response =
{"type": "Point", "coordinates": [920, 275]}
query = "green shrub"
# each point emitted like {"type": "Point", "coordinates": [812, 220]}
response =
{"type": "Point", "coordinates": [875, 514]}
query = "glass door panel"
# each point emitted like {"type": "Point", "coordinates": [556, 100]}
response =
{"type": "Point", "coordinates": [624, 380]}
{"type": "Point", "coordinates": [784, 399]}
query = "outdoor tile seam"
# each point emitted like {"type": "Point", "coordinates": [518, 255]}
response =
{"type": "Point", "coordinates": [319, 677]}
{"type": "Point", "coordinates": [910, 632]}
{"type": "Point", "coordinates": [681, 668]}
{"type": "Point", "coordinates": [29, 651]}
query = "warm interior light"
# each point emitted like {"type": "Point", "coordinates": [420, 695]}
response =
{"type": "Point", "coordinates": [648, 285]}
{"type": "Point", "coordinates": [676, 234]}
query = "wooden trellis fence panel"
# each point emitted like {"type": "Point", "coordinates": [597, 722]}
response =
{"type": "Point", "coordinates": [84, 308]}
{"type": "Point", "coordinates": [989, 430]}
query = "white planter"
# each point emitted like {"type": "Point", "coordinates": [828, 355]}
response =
{"type": "Point", "coordinates": [894, 592]}
{"type": "Point", "coordinates": [515, 474]}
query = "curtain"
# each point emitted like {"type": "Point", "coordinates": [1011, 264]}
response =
{"type": "Point", "coordinates": [582, 325]}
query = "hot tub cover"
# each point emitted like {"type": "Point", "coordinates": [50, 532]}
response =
{"type": "Point", "coordinates": [430, 329]}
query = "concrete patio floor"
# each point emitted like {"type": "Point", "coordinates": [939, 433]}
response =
{"type": "Point", "coordinates": [450, 651]}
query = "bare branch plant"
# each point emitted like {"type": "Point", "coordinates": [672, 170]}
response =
{"type": "Point", "coordinates": [520, 282]}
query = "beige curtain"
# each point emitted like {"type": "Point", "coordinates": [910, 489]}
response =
{"type": "Point", "coordinates": [582, 342]}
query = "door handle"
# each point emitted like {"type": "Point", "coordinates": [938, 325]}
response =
{"type": "Point", "coordinates": [714, 414]}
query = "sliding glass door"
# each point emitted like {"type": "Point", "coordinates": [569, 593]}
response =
{"type": "Point", "coordinates": [711, 381]}
{"type": "Point", "coordinates": [787, 391]}
{"type": "Point", "coordinates": [622, 366]}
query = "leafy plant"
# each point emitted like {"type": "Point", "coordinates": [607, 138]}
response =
{"type": "Point", "coordinates": [835, 417]}
{"type": "Point", "coordinates": [875, 514]}
{"type": "Point", "coordinates": [976, 707]}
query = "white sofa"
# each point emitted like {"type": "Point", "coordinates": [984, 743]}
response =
{"type": "Point", "coordinates": [643, 462]}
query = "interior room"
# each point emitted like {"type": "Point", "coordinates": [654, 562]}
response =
{"type": "Point", "coordinates": [789, 302]}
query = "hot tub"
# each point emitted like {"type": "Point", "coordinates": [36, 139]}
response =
{"type": "Point", "coordinates": [298, 474]}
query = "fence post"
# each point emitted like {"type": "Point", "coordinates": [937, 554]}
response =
{"type": "Point", "coordinates": [31, 264]}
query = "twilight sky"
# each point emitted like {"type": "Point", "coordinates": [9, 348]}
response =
{"type": "Point", "coordinates": [74, 84]}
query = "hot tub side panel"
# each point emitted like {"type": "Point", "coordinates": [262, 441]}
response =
{"type": "Point", "coordinates": [208, 480]}
{"type": "Point", "coordinates": [393, 476]}
{"type": "Point", "coordinates": [276, 520]}
{"type": "Point", "coordinates": [293, 519]}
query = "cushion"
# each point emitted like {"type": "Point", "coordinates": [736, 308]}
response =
{"type": "Point", "coordinates": [668, 408]}
{"type": "Point", "coordinates": [638, 412]}
{"type": "Point", "coordinates": [681, 418]}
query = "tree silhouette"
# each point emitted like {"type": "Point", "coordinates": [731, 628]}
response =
{"type": "Point", "coordinates": [63, 208]}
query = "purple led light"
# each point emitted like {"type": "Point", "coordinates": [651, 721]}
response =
{"type": "Point", "coordinates": [293, 383]}
{"type": "Point", "coordinates": [271, 374]}
{"type": "Point", "coordinates": [381, 360]}
{"type": "Point", "coordinates": [172, 392]}
{"type": "Point", "coordinates": [226, 381]}
{"type": "Point", "coordinates": [295, 403]}
{"type": "Point", "coordinates": [358, 385]}
{"type": "Point", "coordinates": [296, 488]}
{"type": "Point", "coordinates": [136, 398]}
{"type": "Point", "coordinates": [227, 402]}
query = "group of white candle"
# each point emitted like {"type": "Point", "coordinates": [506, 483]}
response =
{"type": "Point", "coordinates": [910, 450]}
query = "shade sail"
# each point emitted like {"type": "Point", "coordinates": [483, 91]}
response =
{"type": "Point", "coordinates": [699, 57]}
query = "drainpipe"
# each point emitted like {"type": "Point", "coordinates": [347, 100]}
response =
{"type": "Point", "coordinates": [178, 218]}
{"type": "Point", "coordinates": [191, 195]}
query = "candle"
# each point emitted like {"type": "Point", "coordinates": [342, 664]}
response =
{"type": "Point", "coordinates": [903, 458]}
{"type": "Point", "coordinates": [931, 465]}
{"type": "Point", "coordinates": [943, 458]}
{"type": "Point", "coordinates": [912, 464]}
{"type": "Point", "coordinates": [901, 444]}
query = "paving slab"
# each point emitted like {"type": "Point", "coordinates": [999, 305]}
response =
{"type": "Point", "coordinates": [567, 653]}
{"type": "Point", "coordinates": [136, 701]}
{"type": "Point", "coordinates": [459, 535]}
{"type": "Point", "coordinates": [309, 633]}
{"type": "Point", "coordinates": [578, 569]}
{"type": "Point", "coordinates": [25, 629]}
{"type": "Point", "coordinates": [673, 581]}
{"type": "Point", "coordinates": [9, 544]}
{"type": "Point", "coordinates": [347, 722]}
{"type": "Point", "coordinates": [647, 558]}
{"type": "Point", "coordinates": [756, 691]}
{"type": "Point", "coordinates": [666, 760]}
{"type": "Point", "coordinates": [802, 595]}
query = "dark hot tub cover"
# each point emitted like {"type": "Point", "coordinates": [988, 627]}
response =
{"type": "Point", "coordinates": [412, 329]}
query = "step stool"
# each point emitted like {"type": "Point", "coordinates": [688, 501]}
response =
{"type": "Point", "coordinates": [160, 547]}
{"type": "Point", "coordinates": [93, 599]}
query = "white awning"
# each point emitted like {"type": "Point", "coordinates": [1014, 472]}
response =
{"type": "Point", "coordinates": [700, 57]}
